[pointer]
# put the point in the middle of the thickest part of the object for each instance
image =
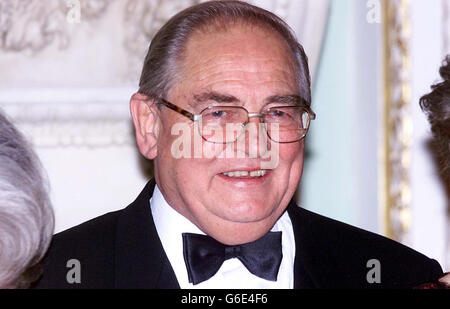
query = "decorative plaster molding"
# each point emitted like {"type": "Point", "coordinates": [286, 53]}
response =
{"type": "Point", "coordinates": [67, 117]}
{"type": "Point", "coordinates": [35, 24]}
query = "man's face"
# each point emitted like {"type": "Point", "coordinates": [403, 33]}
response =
{"type": "Point", "coordinates": [251, 65]}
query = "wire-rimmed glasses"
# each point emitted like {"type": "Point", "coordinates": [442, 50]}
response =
{"type": "Point", "coordinates": [283, 124]}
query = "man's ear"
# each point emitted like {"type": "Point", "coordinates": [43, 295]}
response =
{"type": "Point", "coordinates": [146, 123]}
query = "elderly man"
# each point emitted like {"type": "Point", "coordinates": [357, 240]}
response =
{"type": "Point", "coordinates": [222, 110]}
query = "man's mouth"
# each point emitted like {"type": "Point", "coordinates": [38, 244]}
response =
{"type": "Point", "coordinates": [246, 174]}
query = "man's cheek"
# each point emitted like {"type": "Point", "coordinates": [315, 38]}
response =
{"type": "Point", "coordinates": [211, 151]}
{"type": "Point", "coordinates": [271, 158]}
{"type": "Point", "coordinates": [197, 171]}
{"type": "Point", "coordinates": [289, 154]}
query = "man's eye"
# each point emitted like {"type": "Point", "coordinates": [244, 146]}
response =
{"type": "Point", "coordinates": [277, 113]}
{"type": "Point", "coordinates": [218, 114]}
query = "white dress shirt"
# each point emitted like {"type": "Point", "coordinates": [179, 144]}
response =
{"type": "Point", "coordinates": [232, 274]}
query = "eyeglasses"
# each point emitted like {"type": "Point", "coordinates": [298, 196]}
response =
{"type": "Point", "coordinates": [283, 124]}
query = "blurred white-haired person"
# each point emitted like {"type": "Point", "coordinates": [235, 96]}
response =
{"type": "Point", "coordinates": [26, 215]}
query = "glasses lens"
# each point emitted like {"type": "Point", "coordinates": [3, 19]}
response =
{"type": "Point", "coordinates": [287, 124]}
{"type": "Point", "coordinates": [221, 124]}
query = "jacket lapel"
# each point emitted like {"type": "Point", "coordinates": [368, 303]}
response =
{"type": "Point", "coordinates": [303, 278]}
{"type": "Point", "coordinates": [314, 266]}
{"type": "Point", "coordinates": [140, 260]}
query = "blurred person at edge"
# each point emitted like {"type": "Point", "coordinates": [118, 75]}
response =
{"type": "Point", "coordinates": [26, 215]}
{"type": "Point", "coordinates": [221, 220]}
{"type": "Point", "coordinates": [436, 106]}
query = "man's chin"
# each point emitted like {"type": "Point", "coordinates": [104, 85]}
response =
{"type": "Point", "coordinates": [240, 227]}
{"type": "Point", "coordinates": [242, 233]}
{"type": "Point", "coordinates": [246, 212]}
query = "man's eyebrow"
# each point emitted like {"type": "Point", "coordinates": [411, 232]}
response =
{"type": "Point", "coordinates": [213, 96]}
{"type": "Point", "coordinates": [291, 99]}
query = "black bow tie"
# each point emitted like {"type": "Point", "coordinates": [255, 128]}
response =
{"type": "Point", "coordinates": [204, 256]}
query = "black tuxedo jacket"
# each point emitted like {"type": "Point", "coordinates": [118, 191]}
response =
{"type": "Point", "coordinates": [122, 250]}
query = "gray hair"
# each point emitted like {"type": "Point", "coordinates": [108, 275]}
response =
{"type": "Point", "coordinates": [26, 215]}
{"type": "Point", "coordinates": [166, 49]}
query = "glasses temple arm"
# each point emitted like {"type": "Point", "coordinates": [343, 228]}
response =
{"type": "Point", "coordinates": [178, 109]}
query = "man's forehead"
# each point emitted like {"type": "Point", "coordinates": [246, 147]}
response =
{"type": "Point", "coordinates": [204, 97]}
{"type": "Point", "coordinates": [255, 69]}
{"type": "Point", "coordinates": [214, 96]}
{"type": "Point", "coordinates": [236, 44]}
